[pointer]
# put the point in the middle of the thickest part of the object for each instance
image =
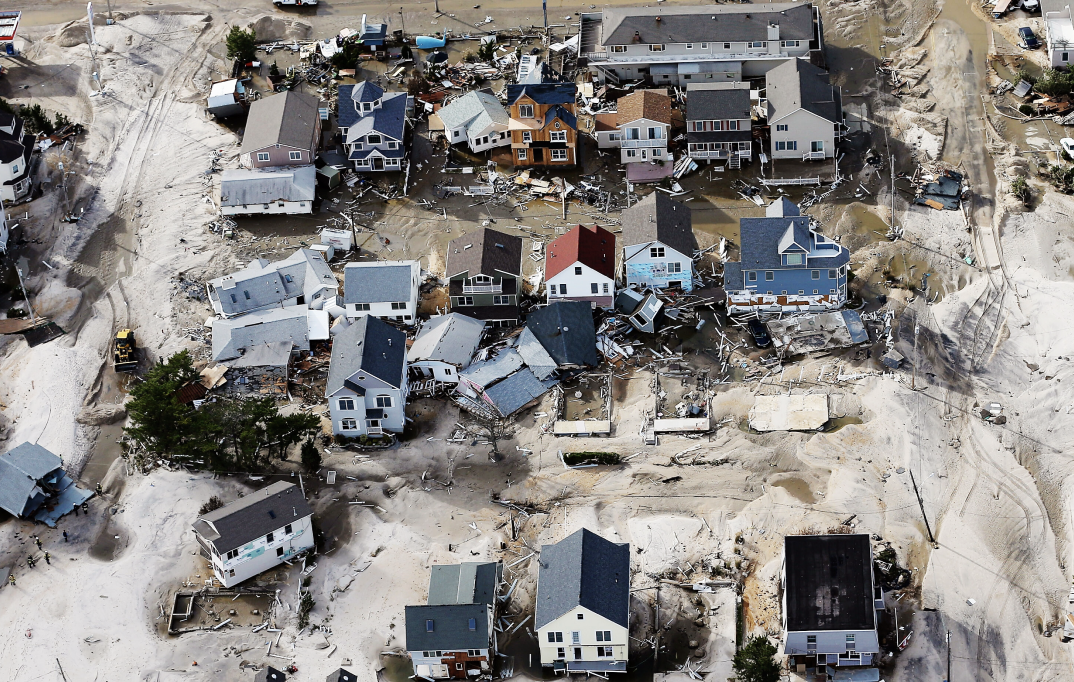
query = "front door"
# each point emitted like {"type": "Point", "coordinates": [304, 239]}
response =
{"type": "Point", "coordinates": [577, 653]}
{"type": "Point", "coordinates": [538, 154]}
{"type": "Point", "coordinates": [378, 163]}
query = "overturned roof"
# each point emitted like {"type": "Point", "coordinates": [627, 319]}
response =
{"type": "Point", "coordinates": [659, 218]}
{"type": "Point", "coordinates": [451, 338]}
{"type": "Point", "coordinates": [20, 470]}
{"type": "Point", "coordinates": [288, 119]}
{"type": "Point", "coordinates": [829, 582]}
{"type": "Point", "coordinates": [485, 252]}
{"type": "Point", "coordinates": [471, 582]}
{"type": "Point", "coordinates": [253, 516]}
{"type": "Point", "coordinates": [567, 332]}
{"type": "Point", "coordinates": [583, 569]}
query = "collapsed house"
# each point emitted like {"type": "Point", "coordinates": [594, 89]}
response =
{"type": "Point", "coordinates": [262, 369]}
{"type": "Point", "coordinates": [303, 279]}
{"type": "Point", "coordinates": [498, 387]}
{"type": "Point", "coordinates": [33, 485]}
{"type": "Point", "coordinates": [824, 331]}
{"type": "Point", "coordinates": [297, 326]}
{"type": "Point", "coordinates": [444, 346]}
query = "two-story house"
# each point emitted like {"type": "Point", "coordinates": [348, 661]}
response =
{"type": "Point", "coordinates": [583, 598]}
{"type": "Point", "coordinates": [1058, 32]}
{"type": "Point", "coordinates": [373, 125]}
{"type": "Point", "coordinates": [644, 122]}
{"type": "Point", "coordinates": [484, 271]}
{"type": "Point", "coordinates": [659, 244]}
{"type": "Point", "coordinates": [444, 346]}
{"type": "Point", "coordinates": [805, 111]}
{"type": "Point", "coordinates": [282, 130]}
{"type": "Point", "coordinates": [785, 265]}
{"type": "Point", "coordinates": [679, 45]}
{"type": "Point", "coordinates": [830, 600]}
{"type": "Point", "coordinates": [544, 124]}
{"type": "Point", "coordinates": [302, 279]}
{"type": "Point", "coordinates": [719, 123]}
{"type": "Point", "coordinates": [453, 636]}
{"type": "Point", "coordinates": [367, 380]}
{"type": "Point", "coordinates": [384, 289]}
{"type": "Point", "coordinates": [580, 266]}
{"type": "Point", "coordinates": [255, 533]}
{"type": "Point", "coordinates": [478, 119]}
{"type": "Point", "coordinates": [16, 146]}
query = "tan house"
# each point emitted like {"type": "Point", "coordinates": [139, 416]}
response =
{"type": "Point", "coordinates": [544, 124]}
{"type": "Point", "coordinates": [282, 130]}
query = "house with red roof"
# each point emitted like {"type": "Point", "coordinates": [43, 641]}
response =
{"type": "Point", "coordinates": [580, 266]}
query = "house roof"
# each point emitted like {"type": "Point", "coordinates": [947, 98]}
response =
{"type": "Point", "coordinates": [716, 105]}
{"type": "Point", "coordinates": [20, 470]}
{"type": "Point", "coordinates": [253, 516]}
{"type": "Point", "coordinates": [782, 225]}
{"type": "Point", "coordinates": [366, 91]}
{"type": "Point", "coordinates": [470, 107]}
{"type": "Point", "coordinates": [583, 569]}
{"type": "Point", "coordinates": [487, 372]}
{"type": "Point", "coordinates": [451, 338]}
{"type": "Point", "coordinates": [449, 629]}
{"type": "Point", "coordinates": [380, 281]}
{"type": "Point", "coordinates": [268, 354]}
{"type": "Point", "coordinates": [705, 23]}
{"type": "Point", "coordinates": [368, 345]}
{"type": "Point", "coordinates": [261, 283]}
{"type": "Point", "coordinates": [796, 84]}
{"type": "Point", "coordinates": [471, 582]}
{"type": "Point", "coordinates": [387, 119]}
{"type": "Point", "coordinates": [543, 93]}
{"type": "Point", "coordinates": [567, 332]}
{"type": "Point", "coordinates": [593, 246]}
{"type": "Point", "coordinates": [654, 105]}
{"type": "Point", "coordinates": [269, 674]}
{"type": "Point", "coordinates": [659, 218]}
{"type": "Point", "coordinates": [517, 391]}
{"type": "Point", "coordinates": [289, 118]}
{"type": "Point", "coordinates": [484, 252]}
{"type": "Point", "coordinates": [562, 113]}
{"type": "Point", "coordinates": [243, 187]}
{"type": "Point", "coordinates": [233, 337]}
{"type": "Point", "coordinates": [607, 122]}
{"type": "Point", "coordinates": [829, 582]}
{"type": "Point", "coordinates": [341, 675]}
{"type": "Point", "coordinates": [534, 355]}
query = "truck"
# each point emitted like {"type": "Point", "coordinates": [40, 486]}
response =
{"type": "Point", "coordinates": [125, 352]}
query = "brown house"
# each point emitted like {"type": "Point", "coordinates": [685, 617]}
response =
{"type": "Point", "coordinates": [544, 124]}
{"type": "Point", "coordinates": [282, 130]}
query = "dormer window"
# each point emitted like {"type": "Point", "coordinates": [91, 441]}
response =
{"type": "Point", "coordinates": [525, 111]}
{"type": "Point", "coordinates": [367, 106]}
{"type": "Point", "coordinates": [372, 139]}
{"type": "Point", "coordinates": [794, 258]}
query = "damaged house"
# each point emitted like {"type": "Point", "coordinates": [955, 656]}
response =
{"type": "Point", "coordinates": [453, 636]}
{"type": "Point", "coordinates": [367, 381]}
{"type": "Point", "coordinates": [271, 191]}
{"type": "Point", "coordinates": [544, 124]}
{"type": "Point", "coordinates": [373, 125]}
{"type": "Point", "coordinates": [502, 385]}
{"type": "Point", "coordinates": [384, 289]}
{"type": "Point", "coordinates": [643, 127]}
{"type": "Point", "coordinates": [484, 271]}
{"type": "Point", "coordinates": [33, 485]}
{"type": "Point", "coordinates": [566, 332]}
{"type": "Point", "coordinates": [580, 266]}
{"type": "Point", "coordinates": [659, 244]}
{"type": "Point", "coordinates": [298, 326]}
{"type": "Point", "coordinates": [16, 146]}
{"type": "Point", "coordinates": [303, 279]}
{"type": "Point", "coordinates": [445, 345]}
{"type": "Point", "coordinates": [478, 119]}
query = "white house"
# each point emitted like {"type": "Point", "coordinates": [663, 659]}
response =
{"type": "Point", "coordinates": [367, 381]}
{"type": "Point", "coordinates": [580, 266]}
{"type": "Point", "coordinates": [373, 124]}
{"type": "Point", "coordinates": [16, 146]}
{"type": "Point", "coordinates": [303, 278]}
{"type": "Point", "coordinates": [805, 111]}
{"type": "Point", "coordinates": [1059, 32]}
{"type": "Point", "coordinates": [658, 244]}
{"type": "Point", "coordinates": [256, 532]}
{"type": "Point", "coordinates": [384, 289]}
{"type": "Point", "coordinates": [445, 345]}
{"type": "Point", "coordinates": [583, 599]}
{"type": "Point", "coordinates": [644, 122]}
{"type": "Point", "coordinates": [268, 192]}
{"type": "Point", "coordinates": [478, 119]}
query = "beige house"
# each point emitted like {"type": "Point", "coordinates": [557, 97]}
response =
{"type": "Point", "coordinates": [805, 111]}
{"type": "Point", "coordinates": [282, 130]}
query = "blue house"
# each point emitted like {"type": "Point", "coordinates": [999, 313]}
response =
{"type": "Point", "coordinates": [786, 266]}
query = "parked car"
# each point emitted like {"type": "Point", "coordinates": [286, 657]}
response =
{"type": "Point", "coordinates": [1067, 144]}
{"type": "Point", "coordinates": [761, 339]}
{"type": "Point", "coordinates": [1031, 5]}
{"type": "Point", "coordinates": [1027, 39]}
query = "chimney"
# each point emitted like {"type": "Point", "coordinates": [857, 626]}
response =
{"type": "Point", "coordinates": [637, 36]}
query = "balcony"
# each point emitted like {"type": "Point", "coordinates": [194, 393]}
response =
{"type": "Point", "coordinates": [483, 289]}
{"type": "Point", "coordinates": [813, 156]}
{"type": "Point", "coordinates": [612, 59]}
{"type": "Point", "coordinates": [635, 144]}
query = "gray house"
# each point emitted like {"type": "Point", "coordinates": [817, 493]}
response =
{"type": "Point", "coordinates": [367, 381]}
{"type": "Point", "coordinates": [484, 270]}
{"type": "Point", "coordinates": [719, 122]}
{"type": "Point", "coordinates": [268, 192]}
{"type": "Point", "coordinates": [384, 289]}
{"type": "Point", "coordinates": [282, 130]}
{"type": "Point", "coordinates": [33, 485]}
{"type": "Point", "coordinates": [478, 119]}
{"type": "Point", "coordinates": [805, 111]}
{"type": "Point", "coordinates": [830, 601]}
{"type": "Point", "coordinates": [297, 325]}
{"type": "Point", "coordinates": [659, 244]}
{"type": "Point", "coordinates": [373, 125]}
{"type": "Point", "coordinates": [445, 345]}
{"type": "Point", "coordinates": [302, 279]}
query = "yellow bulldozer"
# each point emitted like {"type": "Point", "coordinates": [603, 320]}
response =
{"type": "Point", "coordinates": [125, 353]}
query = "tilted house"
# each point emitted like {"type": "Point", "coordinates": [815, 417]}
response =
{"type": "Point", "coordinates": [453, 636]}
{"type": "Point", "coordinates": [680, 45]}
{"type": "Point", "coordinates": [227, 98]}
{"type": "Point", "coordinates": [719, 123]}
{"type": "Point", "coordinates": [502, 385]}
{"type": "Point", "coordinates": [33, 485]}
{"type": "Point", "coordinates": [478, 119]}
{"type": "Point", "coordinates": [644, 122]}
{"type": "Point", "coordinates": [583, 604]}
{"type": "Point", "coordinates": [384, 289]}
{"type": "Point", "coordinates": [544, 124]}
{"type": "Point", "coordinates": [659, 244]}
{"type": "Point", "coordinates": [271, 191]}
{"type": "Point", "coordinates": [785, 265]}
{"type": "Point", "coordinates": [445, 345]}
{"type": "Point", "coordinates": [805, 111]}
{"type": "Point", "coordinates": [255, 533]}
{"type": "Point", "coordinates": [302, 279]}
{"type": "Point", "coordinates": [830, 601]}
{"type": "Point", "coordinates": [282, 130]}
{"type": "Point", "coordinates": [580, 266]}
{"type": "Point", "coordinates": [367, 381]}
{"type": "Point", "coordinates": [484, 270]}
{"type": "Point", "coordinates": [373, 125]}
{"type": "Point", "coordinates": [16, 146]}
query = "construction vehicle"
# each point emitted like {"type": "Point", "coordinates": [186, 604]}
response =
{"type": "Point", "coordinates": [125, 354]}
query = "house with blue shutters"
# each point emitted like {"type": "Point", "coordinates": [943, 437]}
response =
{"type": "Point", "coordinates": [786, 265]}
{"type": "Point", "coordinates": [373, 124]}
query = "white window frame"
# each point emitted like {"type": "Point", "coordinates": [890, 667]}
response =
{"type": "Point", "coordinates": [525, 111]}
{"type": "Point", "coordinates": [262, 156]}
{"type": "Point", "coordinates": [656, 252]}
{"type": "Point", "coordinates": [521, 154]}
{"type": "Point", "coordinates": [294, 156]}
{"type": "Point", "coordinates": [618, 49]}
{"type": "Point", "coordinates": [559, 154]}
{"type": "Point", "coordinates": [346, 404]}
{"type": "Point", "coordinates": [348, 424]}
{"type": "Point", "coordinates": [656, 48]}
{"type": "Point", "coordinates": [527, 136]}
{"type": "Point", "coordinates": [384, 401]}
{"type": "Point", "coordinates": [557, 136]}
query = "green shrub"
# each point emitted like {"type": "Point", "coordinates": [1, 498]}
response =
{"type": "Point", "coordinates": [16, 313]}
{"type": "Point", "coordinates": [1026, 110]}
{"type": "Point", "coordinates": [305, 605]}
{"type": "Point", "coordinates": [576, 458]}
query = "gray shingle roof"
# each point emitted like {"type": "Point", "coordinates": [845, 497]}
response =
{"type": "Point", "coordinates": [379, 282]}
{"type": "Point", "coordinates": [584, 569]}
{"type": "Point", "coordinates": [517, 391]}
{"type": "Point", "coordinates": [705, 23]}
{"type": "Point", "coordinates": [242, 187]}
{"type": "Point", "coordinates": [262, 284]}
{"type": "Point", "coordinates": [231, 337]}
{"type": "Point", "coordinates": [659, 218]}
{"type": "Point", "coordinates": [449, 338]}
{"type": "Point", "coordinates": [535, 356]}
{"type": "Point", "coordinates": [368, 345]}
{"type": "Point", "coordinates": [761, 239]}
{"type": "Point", "coordinates": [797, 84]}
{"type": "Point", "coordinates": [289, 118]}
{"type": "Point", "coordinates": [20, 470]}
{"type": "Point", "coordinates": [485, 252]}
{"type": "Point", "coordinates": [488, 372]}
{"type": "Point", "coordinates": [253, 516]}
{"type": "Point", "coordinates": [269, 354]}
{"type": "Point", "coordinates": [471, 582]}
{"type": "Point", "coordinates": [714, 105]}
{"type": "Point", "coordinates": [470, 107]}
{"type": "Point", "coordinates": [270, 674]}
{"type": "Point", "coordinates": [567, 332]}
{"type": "Point", "coordinates": [450, 627]}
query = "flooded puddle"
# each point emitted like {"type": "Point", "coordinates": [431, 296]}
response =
{"type": "Point", "coordinates": [798, 489]}
{"type": "Point", "coordinates": [833, 425]}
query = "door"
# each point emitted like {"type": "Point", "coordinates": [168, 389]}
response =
{"type": "Point", "coordinates": [378, 163]}
{"type": "Point", "coordinates": [817, 146]}
{"type": "Point", "coordinates": [577, 653]}
{"type": "Point", "coordinates": [538, 154]}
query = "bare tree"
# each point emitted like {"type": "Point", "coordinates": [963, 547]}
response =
{"type": "Point", "coordinates": [491, 429]}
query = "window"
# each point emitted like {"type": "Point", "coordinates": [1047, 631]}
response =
{"type": "Point", "coordinates": [605, 287]}
{"type": "Point", "coordinates": [792, 145]}
{"type": "Point", "coordinates": [430, 626]}
{"type": "Point", "coordinates": [348, 425]}
{"type": "Point", "coordinates": [578, 269]}
{"type": "Point", "coordinates": [656, 133]}
{"type": "Point", "coordinates": [456, 133]}
{"type": "Point", "coordinates": [559, 154]}
{"type": "Point", "coordinates": [287, 529]}
{"type": "Point", "coordinates": [346, 404]}
{"type": "Point", "coordinates": [604, 635]}
{"type": "Point", "coordinates": [816, 291]}
{"type": "Point", "coordinates": [815, 274]}
{"type": "Point", "coordinates": [801, 292]}
{"type": "Point", "coordinates": [581, 616]}
{"type": "Point", "coordinates": [730, 125]}
{"type": "Point", "coordinates": [384, 401]}
{"type": "Point", "coordinates": [604, 651]}
{"type": "Point", "coordinates": [373, 139]}
{"type": "Point", "coordinates": [769, 276]}
{"type": "Point", "coordinates": [781, 146]}
{"type": "Point", "coordinates": [473, 653]}
{"type": "Point", "coordinates": [527, 136]}
{"type": "Point", "coordinates": [501, 300]}
{"type": "Point", "coordinates": [367, 106]}
{"type": "Point", "coordinates": [392, 144]}
{"type": "Point", "coordinates": [398, 305]}
{"type": "Point", "coordinates": [618, 49]}
{"type": "Point", "coordinates": [465, 300]}
{"type": "Point", "coordinates": [757, 44]}
{"type": "Point", "coordinates": [521, 154]}
{"type": "Point", "coordinates": [633, 134]}
{"type": "Point", "coordinates": [562, 289]}
{"type": "Point", "coordinates": [361, 307]}
{"type": "Point", "coordinates": [555, 637]}
{"type": "Point", "coordinates": [811, 642]}
{"type": "Point", "coordinates": [656, 252]}
{"type": "Point", "coordinates": [833, 274]}
{"type": "Point", "coordinates": [232, 554]}
{"type": "Point", "coordinates": [751, 276]}
{"type": "Point", "coordinates": [689, 46]}
{"type": "Point", "coordinates": [560, 136]}
{"type": "Point", "coordinates": [831, 291]}
{"type": "Point", "coordinates": [262, 156]}
{"type": "Point", "coordinates": [816, 146]}
{"type": "Point", "coordinates": [631, 153]}
{"type": "Point", "coordinates": [674, 268]}
{"type": "Point", "coordinates": [561, 653]}
{"type": "Point", "coordinates": [279, 551]}
{"type": "Point", "coordinates": [576, 638]}
{"type": "Point", "coordinates": [15, 169]}
{"type": "Point", "coordinates": [1066, 56]}
{"type": "Point", "coordinates": [658, 152]}
{"type": "Point", "coordinates": [704, 46]}
{"type": "Point", "coordinates": [427, 654]}
{"type": "Point", "coordinates": [246, 294]}
{"type": "Point", "coordinates": [794, 259]}
{"type": "Point", "coordinates": [294, 156]}
{"type": "Point", "coordinates": [656, 48]}
{"type": "Point", "coordinates": [525, 111]}
{"type": "Point", "coordinates": [727, 46]}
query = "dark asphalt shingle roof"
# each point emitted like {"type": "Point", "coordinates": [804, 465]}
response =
{"type": "Point", "coordinates": [20, 470]}
{"type": "Point", "coordinates": [563, 114]}
{"type": "Point", "coordinates": [544, 93]}
{"type": "Point", "coordinates": [584, 569]}
{"type": "Point", "coordinates": [387, 119]}
{"type": "Point", "coordinates": [369, 345]}
{"type": "Point", "coordinates": [567, 332]}
{"type": "Point", "coordinates": [761, 238]}
{"type": "Point", "coordinates": [269, 674]}
{"type": "Point", "coordinates": [829, 582]}
{"type": "Point", "coordinates": [450, 627]}
{"type": "Point", "coordinates": [659, 218]}
{"type": "Point", "coordinates": [705, 23]}
{"type": "Point", "coordinates": [341, 675]}
{"type": "Point", "coordinates": [289, 118]}
{"type": "Point", "coordinates": [797, 84]}
{"type": "Point", "coordinates": [717, 105]}
{"type": "Point", "coordinates": [490, 253]}
{"type": "Point", "coordinates": [253, 516]}
{"type": "Point", "coordinates": [517, 391]}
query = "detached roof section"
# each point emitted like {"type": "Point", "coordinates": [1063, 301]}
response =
{"type": "Point", "coordinates": [242, 187]}
{"type": "Point", "coordinates": [253, 516]}
{"type": "Point", "coordinates": [477, 108]}
{"type": "Point", "coordinates": [517, 391]}
{"type": "Point", "coordinates": [379, 282]}
{"type": "Point", "coordinates": [705, 23]}
{"type": "Point", "coordinates": [295, 325]}
{"type": "Point", "coordinates": [471, 582]}
{"type": "Point", "coordinates": [567, 332]}
{"type": "Point", "coordinates": [593, 246]}
{"type": "Point", "coordinates": [369, 345]}
{"type": "Point", "coordinates": [485, 252]}
{"type": "Point", "coordinates": [20, 470]}
{"type": "Point", "coordinates": [288, 119]}
{"type": "Point", "coordinates": [451, 338]}
{"type": "Point", "coordinates": [662, 219]}
{"type": "Point", "coordinates": [796, 84]}
{"type": "Point", "coordinates": [585, 570]}
{"type": "Point", "coordinates": [829, 582]}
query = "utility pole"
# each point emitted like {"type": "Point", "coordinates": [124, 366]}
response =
{"type": "Point", "coordinates": [109, 22]}
{"type": "Point", "coordinates": [893, 193]}
{"type": "Point", "coordinates": [402, 22]}
{"type": "Point", "coordinates": [544, 8]}
{"type": "Point", "coordinates": [92, 42]}
{"type": "Point", "coordinates": [922, 505]}
{"type": "Point", "coordinates": [26, 296]}
{"type": "Point", "coordinates": [436, 6]}
{"type": "Point", "coordinates": [948, 678]}
{"type": "Point", "coordinates": [913, 377]}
